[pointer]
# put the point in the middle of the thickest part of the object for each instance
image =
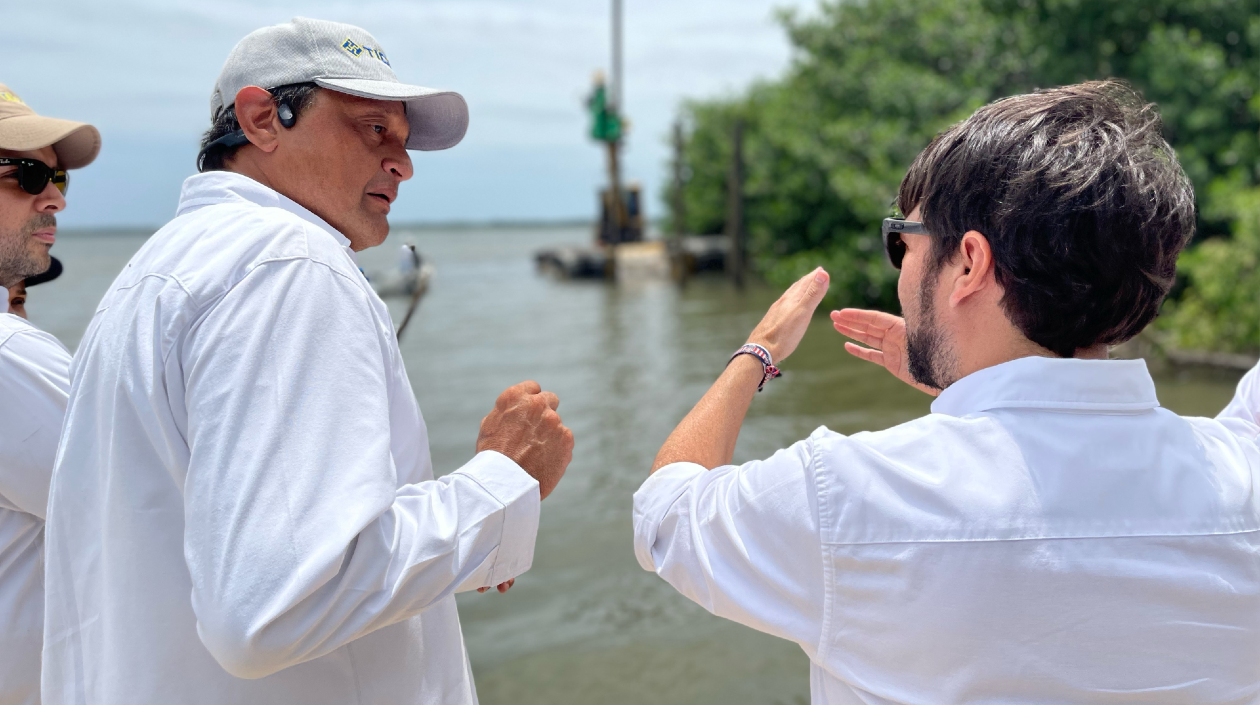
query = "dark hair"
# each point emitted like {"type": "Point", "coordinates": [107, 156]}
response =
{"type": "Point", "coordinates": [1082, 201]}
{"type": "Point", "coordinates": [297, 95]}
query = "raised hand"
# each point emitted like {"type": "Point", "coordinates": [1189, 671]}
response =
{"type": "Point", "coordinates": [886, 336]}
{"type": "Point", "coordinates": [525, 427]}
{"type": "Point", "coordinates": [783, 326]}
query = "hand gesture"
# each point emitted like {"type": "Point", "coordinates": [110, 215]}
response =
{"type": "Point", "coordinates": [524, 426]}
{"type": "Point", "coordinates": [886, 336]}
{"type": "Point", "coordinates": [783, 326]}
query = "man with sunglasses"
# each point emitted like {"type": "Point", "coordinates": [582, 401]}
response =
{"type": "Point", "coordinates": [244, 508]}
{"type": "Point", "coordinates": [1048, 534]}
{"type": "Point", "coordinates": [35, 153]}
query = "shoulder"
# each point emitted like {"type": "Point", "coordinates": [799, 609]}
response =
{"type": "Point", "coordinates": [921, 480]}
{"type": "Point", "coordinates": [212, 249]}
{"type": "Point", "coordinates": [17, 335]}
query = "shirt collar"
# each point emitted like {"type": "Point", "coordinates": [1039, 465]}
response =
{"type": "Point", "coordinates": [213, 187]}
{"type": "Point", "coordinates": [1052, 383]}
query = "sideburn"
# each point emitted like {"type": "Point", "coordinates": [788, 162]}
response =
{"type": "Point", "coordinates": [928, 355]}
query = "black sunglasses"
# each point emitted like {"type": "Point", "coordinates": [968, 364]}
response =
{"type": "Point", "coordinates": [33, 175]}
{"type": "Point", "coordinates": [892, 231]}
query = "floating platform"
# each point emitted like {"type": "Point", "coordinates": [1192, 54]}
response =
{"type": "Point", "coordinates": [651, 259]}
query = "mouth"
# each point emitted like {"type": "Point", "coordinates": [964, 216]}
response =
{"type": "Point", "coordinates": [384, 198]}
{"type": "Point", "coordinates": [46, 235]}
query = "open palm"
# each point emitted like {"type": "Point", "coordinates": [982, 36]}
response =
{"type": "Point", "coordinates": [885, 334]}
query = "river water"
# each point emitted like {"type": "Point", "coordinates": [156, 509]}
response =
{"type": "Point", "coordinates": [587, 624]}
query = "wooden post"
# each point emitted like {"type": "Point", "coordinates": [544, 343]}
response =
{"type": "Point", "coordinates": [677, 203]}
{"type": "Point", "coordinates": [679, 264]}
{"type": "Point", "coordinates": [735, 207]}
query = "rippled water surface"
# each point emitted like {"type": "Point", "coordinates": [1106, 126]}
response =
{"type": "Point", "coordinates": [586, 624]}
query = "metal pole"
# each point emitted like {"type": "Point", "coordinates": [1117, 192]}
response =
{"type": "Point", "coordinates": [614, 148]}
{"type": "Point", "coordinates": [615, 93]}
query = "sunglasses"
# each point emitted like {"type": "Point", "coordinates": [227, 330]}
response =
{"type": "Point", "coordinates": [894, 246]}
{"type": "Point", "coordinates": [33, 175]}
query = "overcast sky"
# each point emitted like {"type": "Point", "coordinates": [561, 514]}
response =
{"type": "Point", "coordinates": [142, 71]}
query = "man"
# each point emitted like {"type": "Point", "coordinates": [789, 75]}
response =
{"type": "Point", "coordinates": [1048, 534]}
{"type": "Point", "coordinates": [244, 508]}
{"type": "Point", "coordinates": [17, 292]}
{"type": "Point", "coordinates": [35, 152]}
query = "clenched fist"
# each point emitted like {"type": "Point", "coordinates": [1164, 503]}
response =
{"type": "Point", "coordinates": [525, 427]}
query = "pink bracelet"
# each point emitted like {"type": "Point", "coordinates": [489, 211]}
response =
{"type": "Point", "coordinates": [769, 371]}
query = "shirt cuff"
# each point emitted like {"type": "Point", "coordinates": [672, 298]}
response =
{"type": "Point", "coordinates": [518, 492]}
{"type": "Point", "coordinates": [652, 503]}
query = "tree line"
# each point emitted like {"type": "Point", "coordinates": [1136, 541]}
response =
{"type": "Point", "coordinates": [871, 81]}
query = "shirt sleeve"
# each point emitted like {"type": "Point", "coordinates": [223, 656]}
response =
{"type": "Point", "coordinates": [1246, 402]}
{"type": "Point", "coordinates": [34, 384]}
{"type": "Point", "coordinates": [742, 542]}
{"type": "Point", "coordinates": [297, 536]}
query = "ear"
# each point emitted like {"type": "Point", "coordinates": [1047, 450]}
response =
{"type": "Point", "coordinates": [256, 113]}
{"type": "Point", "coordinates": [974, 268]}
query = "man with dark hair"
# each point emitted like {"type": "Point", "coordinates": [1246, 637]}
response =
{"type": "Point", "coordinates": [1048, 534]}
{"type": "Point", "coordinates": [36, 153]}
{"type": "Point", "coordinates": [18, 293]}
{"type": "Point", "coordinates": [244, 509]}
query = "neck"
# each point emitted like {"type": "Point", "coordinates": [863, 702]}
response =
{"type": "Point", "coordinates": [983, 351]}
{"type": "Point", "coordinates": [243, 164]}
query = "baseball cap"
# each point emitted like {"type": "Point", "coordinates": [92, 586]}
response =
{"type": "Point", "coordinates": [21, 130]}
{"type": "Point", "coordinates": [342, 58]}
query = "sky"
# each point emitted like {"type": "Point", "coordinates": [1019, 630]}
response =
{"type": "Point", "coordinates": [142, 72]}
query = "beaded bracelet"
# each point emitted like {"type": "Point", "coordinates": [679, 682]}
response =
{"type": "Point", "coordinates": [769, 371]}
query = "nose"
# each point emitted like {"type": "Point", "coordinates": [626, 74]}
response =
{"type": "Point", "coordinates": [398, 165]}
{"type": "Point", "coordinates": [50, 200]}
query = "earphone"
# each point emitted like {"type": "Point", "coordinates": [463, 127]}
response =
{"type": "Point", "coordinates": [238, 138]}
{"type": "Point", "coordinates": [287, 118]}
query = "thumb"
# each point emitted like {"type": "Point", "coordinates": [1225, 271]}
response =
{"type": "Point", "coordinates": [819, 282]}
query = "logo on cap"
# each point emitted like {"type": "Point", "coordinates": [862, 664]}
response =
{"type": "Point", "coordinates": [11, 97]}
{"type": "Point", "coordinates": [354, 49]}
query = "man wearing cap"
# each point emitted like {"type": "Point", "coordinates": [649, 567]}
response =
{"type": "Point", "coordinates": [244, 508]}
{"type": "Point", "coordinates": [17, 292]}
{"type": "Point", "coordinates": [35, 152]}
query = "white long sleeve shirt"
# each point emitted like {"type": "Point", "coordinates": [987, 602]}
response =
{"type": "Point", "coordinates": [1048, 534]}
{"type": "Point", "coordinates": [243, 508]}
{"type": "Point", "coordinates": [1246, 402]}
{"type": "Point", "coordinates": [34, 382]}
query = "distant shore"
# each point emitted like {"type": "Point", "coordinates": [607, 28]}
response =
{"type": "Point", "coordinates": [422, 225]}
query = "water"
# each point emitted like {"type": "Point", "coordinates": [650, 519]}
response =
{"type": "Point", "coordinates": [628, 361]}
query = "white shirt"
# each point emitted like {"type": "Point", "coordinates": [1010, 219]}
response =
{"type": "Point", "coordinates": [34, 381]}
{"type": "Point", "coordinates": [243, 508]}
{"type": "Point", "coordinates": [1048, 534]}
{"type": "Point", "coordinates": [1246, 402]}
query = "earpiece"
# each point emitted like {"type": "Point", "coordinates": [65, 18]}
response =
{"type": "Point", "coordinates": [286, 115]}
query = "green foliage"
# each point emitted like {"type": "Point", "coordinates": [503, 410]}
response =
{"type": "Point", "coordinates": [1220, 308]}
{"type": "Point", "coordinates": [873, 80]}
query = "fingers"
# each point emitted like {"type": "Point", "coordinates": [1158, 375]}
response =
{"type": "Point", "coordinates": [816, 284]}
{"type": "Point", "coordinates": [863, 337]}
{"type": "Point", "coordinates": [864, 320]}
{"type": "Point", "coordinates": [529, 386]}
{"type": "Point", "coordinates": [502, 587]}
{"type": "Point", "coordinates": [552, 400]}
{"type": "Point", "coordinates": [868, 354]}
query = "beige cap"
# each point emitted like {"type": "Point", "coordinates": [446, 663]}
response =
{"type": "Point", "coordinates": [21, 130]}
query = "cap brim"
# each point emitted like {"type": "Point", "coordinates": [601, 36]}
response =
{"type": "Point", "coordinates": [439, 119]}
{"type": "Point", "coordinates": [54, 270]}
{"type": "Point", "coordinates": [76, 143]}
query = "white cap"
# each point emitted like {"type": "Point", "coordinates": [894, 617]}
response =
{"type": "Point", "coordinates": [343, 58]}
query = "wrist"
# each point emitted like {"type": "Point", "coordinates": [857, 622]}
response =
{"type": "Point", "coordinates": [761, 358]}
